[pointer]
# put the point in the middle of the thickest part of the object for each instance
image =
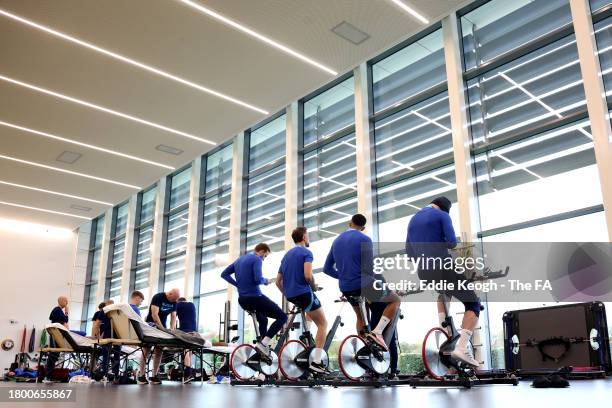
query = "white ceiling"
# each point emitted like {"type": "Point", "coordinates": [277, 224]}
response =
{"type": "Point", "coordinates": [177, 39]}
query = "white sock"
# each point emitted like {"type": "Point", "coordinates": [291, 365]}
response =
{"type": "Point", "coordinates": [316, 355]}
{"type": "Point", "coordinates": [464, 337]}
{"type": "Point", "coordinates": [441, 318]}
{"type": "Point", "coordinates": [382, 323]}
{"type": "Point", "coordinates": [265, 341]}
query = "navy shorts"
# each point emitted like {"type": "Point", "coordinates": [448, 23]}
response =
{"type": "Point", "coordinates": [308, 302]}
{"type": "Point", "coordinates": [369, 293]}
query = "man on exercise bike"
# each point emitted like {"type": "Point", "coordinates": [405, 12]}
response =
{"type": "Point", "coordinates": [350, 260]}
{"type": "Point", "coordinates": [296, 281]}
{"type": "Point", "coordinates": [249, 276]}
{"type": "Point", "coordinates": [430, 236]}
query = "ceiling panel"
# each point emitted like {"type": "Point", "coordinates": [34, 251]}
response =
{"type": "Point", "coordinates": [65, 183]}
{"type": "Point", "coordinates": [171, 36]}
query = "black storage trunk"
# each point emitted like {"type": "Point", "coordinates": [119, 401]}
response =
{"type": "Point", "coordinates": [550, 324]}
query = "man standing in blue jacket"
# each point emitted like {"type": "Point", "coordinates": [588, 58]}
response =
{"type": "Point", "coordinates": [430, 236]}
{"type": "Point", "coordinates": [350, 260]}
{"type": "Point", "coordinates": [249, 276]}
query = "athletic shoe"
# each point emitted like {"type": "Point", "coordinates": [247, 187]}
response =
{"type": "Point", "coordinates": [465, 355]}
{"type": "Point", "coordinates": [318, 368]}
{"type": "Point", "coordinates": [142, 380]}
{"type": "Point", "coordinates": [263, 350]}
{"type": "Point", "coordinates": [155, 380]}
{"type": "Point", "coordinates": [378, 339]}
{"type": "Point", "coordinates": [48, 381]}
{"type": "Point", "coordinates": [212, 379]}
{"type": "Point", "coordinates": [225, 380]}
{"type": "Point", "coordinates": [188, 379]}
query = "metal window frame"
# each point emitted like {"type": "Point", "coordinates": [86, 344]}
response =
{"type": "Point", "coordinates": [167, 213]}
{"type": "Point", "coordinates": [134, 265]}
{"type": "Point", "coordinates": [90, 257]}
{"type": "Point", "coordinates": [542, 221]}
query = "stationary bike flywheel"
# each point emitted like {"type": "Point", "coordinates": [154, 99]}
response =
{"type": "Point", "coordinates": [430, 352]}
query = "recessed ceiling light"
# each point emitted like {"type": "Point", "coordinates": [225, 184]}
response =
{"type": "Point", "coordinates": [44, 166]}
{"type": "Point", "coordinates": [168, 149]}
{"type": "Point", "coordinates": [257, 35]}
{"type": "Point", "coordinates": [130, 61]}
{"type": "Point", "coordinates": [42, 210]}
{"type": "Point", "coordinates": [68, 157]}
{"type": "Point", "coordinates": [411, 11]}
{"type": "Point", "coordinates": [53, 192]}
{"type": "Point", "coordinates": [350, 33]}
{"type": "Point", "coordinates": [101, 149]}
{"type": "Point", "coordinates": [103, 109]}
{"type": "Point", "coordinates": [80, 207]}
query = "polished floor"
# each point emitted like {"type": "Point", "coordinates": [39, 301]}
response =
{"type": "Point", "coordinates": [581, 394]}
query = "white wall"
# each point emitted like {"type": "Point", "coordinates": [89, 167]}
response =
{"type": "Point", "coordinates": [35, 268]}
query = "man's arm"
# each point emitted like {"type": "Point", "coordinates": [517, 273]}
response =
{"type": "Point", "coordinates": [367, 257]}
{"type": "Point", "coordinates": [95, 329]}
{"type": "Point", "coordinates": [155, 316]}
{"type": "Point", "coordinates": [279, 282]}
{"type": "Point", "coordinates": [329, 267]}
{"type": "Point", "coordinates": [309, 276]}
{"type": "Point", "coordinates": [258, 274]}
{"type": "Point", "coordinates": [67, 319]}
{"type": "Point", "coordinates": [173, 320]}
{"type": "Point", "coordinates": [408, 247]}
{"type": "Point", "coordinates": [227, 274]}
{"type": "Point", "coordinates": [449, 231]}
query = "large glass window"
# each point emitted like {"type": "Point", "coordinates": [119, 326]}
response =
{"type": "Point", "coordinates": [413, 143]}
{"type": "Point", "coordinates": [216, 202]}
{"type": "Point", "coordinates": [532, 146]}
{"type": "Point", "coordinates": [329, 184]}
{"type": "Point", "coordinates": [409, 71]}
{"type": "Point", "coordinates": [329, 112]}
{"type": "Point", "coordinates": [90, 305]}
{"type": "Point", "coordinates": [266, 185]}
{"type": "Point", "coordinates": [531, 91]}
{"type": "Point", "coordinates": [265, 189]}
{"type": "Point", "coordinates": [114, 274]}
{"type": "Point", "coordinates": [499, 27]}
{"type": "Point", "coordinates": [143, 233]}
{"type": "Point", "coordinates": [413, 153]}
{"type": "Point", "coordinates": [177, 220]}
{"type": "Point", "coordinates": [598, 4]}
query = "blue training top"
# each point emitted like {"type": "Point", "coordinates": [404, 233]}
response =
{"type": "Point", "coordinates": [186, 313]}
{"type": "Point", "coordinates": [135, 309]}
{"type": "Point", "coordinates": [105, 324]}
{"type": "Point", "coordinates": [430, 233]}
{"type": "Point", "coordinates": [57, 315]}
{"type": "Point", "coordinates": [292, 269]}
{"type": "Point", "coordinates": [248, 273]}
{"type": "Point", "coordinates": [165, 308]}
{"type": "Point", "coordinates": [350, 260]}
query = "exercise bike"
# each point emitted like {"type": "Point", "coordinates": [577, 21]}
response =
{"type": "Point", "coordinates": [296, 356]}
{"type": "Point", "coordinates": [439, 344]}
{"type": "Point", "coordinates": [246, 362]}
{"type": "Point", "coordinates": [359, 355]}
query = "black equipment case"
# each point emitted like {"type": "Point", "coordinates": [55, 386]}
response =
{"type": "Point", "coordinates": [548, 338]}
